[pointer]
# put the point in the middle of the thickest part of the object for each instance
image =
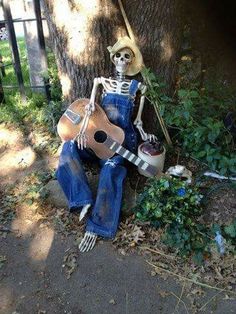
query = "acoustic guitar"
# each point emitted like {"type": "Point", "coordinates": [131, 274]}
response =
{"type": "Point", "coordinates": [103, 137]}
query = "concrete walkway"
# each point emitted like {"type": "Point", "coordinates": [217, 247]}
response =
{"type": "Point", "coordinates": [33, 280]}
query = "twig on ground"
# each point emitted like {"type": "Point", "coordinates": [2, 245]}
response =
{"type": "Point", "coordinates": [191, 280]}
{"type": "Point", "coordinates": [135, 191]}
{"type": "Point", "coordinates": [180, 301]}
{"type": "Point", "coordinates": [126, 303]}
{"type": "Point", "coordinates": [157, 252]}
{"type": "Point", "coordinates": [180, 298]}
{"type": "Point", "coordinates": [204, 305]}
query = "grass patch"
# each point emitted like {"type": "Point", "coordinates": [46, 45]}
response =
{"type": "Point", "coordinates": [10, 78]}
{"type": "Point", "coordinates": [36, 109]}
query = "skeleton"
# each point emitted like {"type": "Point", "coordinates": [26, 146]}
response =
{"type": "Point", "coordinates": [119, 85]}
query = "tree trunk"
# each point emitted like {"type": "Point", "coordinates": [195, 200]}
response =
{"type": "Point", "coordinates": [81, 30]}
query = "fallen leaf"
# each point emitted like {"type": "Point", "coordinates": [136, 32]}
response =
{"type": "Point", "coordinates": [164, 293]}
{"type": "Point", "coordinates": [70, 263]}
{"type": "Point", "coordinates": [2, 260]}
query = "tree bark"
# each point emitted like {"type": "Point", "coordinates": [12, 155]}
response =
{"type": "Point", "coordinates": [81, 30]}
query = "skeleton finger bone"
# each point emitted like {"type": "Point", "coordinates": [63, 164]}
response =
{"type": "Point", "coordinates": [82, 141]}
{"type": "Point", "coordinates": [90, 108]}
{"type": "Point", "coordinates": [151, 137]}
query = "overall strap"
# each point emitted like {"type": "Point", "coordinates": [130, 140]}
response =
{"type": "Point", "coordinates": [133, 87]}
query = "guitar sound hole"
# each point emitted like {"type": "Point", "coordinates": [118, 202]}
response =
{"type": "Point", "coordinates": [100, 136]}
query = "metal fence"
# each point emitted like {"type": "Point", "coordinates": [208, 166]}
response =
{"type": "Point", "coordinates": [9, 22]}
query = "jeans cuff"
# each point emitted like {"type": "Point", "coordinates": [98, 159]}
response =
{"type": "Point", "coordinates": [100, 232]}
{"type": "Point", "coordinates": [75, 206]}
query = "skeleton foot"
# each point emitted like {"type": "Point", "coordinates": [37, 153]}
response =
{"type": "Point", "coordinates": [84, 211]}
{"type": "Point", "coordinates": [88, 242]}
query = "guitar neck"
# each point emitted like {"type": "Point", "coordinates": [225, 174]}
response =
{"type": "Point", "coordinates": [119, 149]}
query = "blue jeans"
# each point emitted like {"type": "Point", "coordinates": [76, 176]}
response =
{"type": "Point", "coordinates": [71, 176]}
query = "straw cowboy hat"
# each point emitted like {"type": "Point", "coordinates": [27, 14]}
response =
{"type": "Point", "coordinates": [126, 42]}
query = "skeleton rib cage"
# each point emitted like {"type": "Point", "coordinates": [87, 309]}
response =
{"type": "Point", "coordinates": [114, 86]}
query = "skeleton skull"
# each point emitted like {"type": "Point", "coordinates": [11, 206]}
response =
{"type": "Point", "coordinates": [122, 59]}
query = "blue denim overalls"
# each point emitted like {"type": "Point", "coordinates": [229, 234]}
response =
{"type": "Point", "coordinates": [105, 214]}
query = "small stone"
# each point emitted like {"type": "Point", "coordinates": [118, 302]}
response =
{"type": "Point", "coordinates": [112, 301]}
{"type": "Point", "coordinates": [57, 198]}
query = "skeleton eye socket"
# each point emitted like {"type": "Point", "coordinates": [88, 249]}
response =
{"type": "Point", "coordinates": [127, 56]}
{"type": "Point", "coordinates": [117, 55]}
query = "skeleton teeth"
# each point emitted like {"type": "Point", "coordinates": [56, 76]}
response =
{"type": "Point", "coordinates": [122, 60]}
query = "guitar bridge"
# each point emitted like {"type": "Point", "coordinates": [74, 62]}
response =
{"type": "Point", "coordinates": [75, 118]}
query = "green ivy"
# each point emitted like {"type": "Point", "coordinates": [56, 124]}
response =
{"type": "Point", "coordinates": [173, 205]}
{"type": "Point", "coordinates": [197, 122]}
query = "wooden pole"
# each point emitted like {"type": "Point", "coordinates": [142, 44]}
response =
{"type": "Point", "coordinates": [2, 98]}
{"type": "Point", "coordinates": [156, 107]}
{"type": "Point", "coordinates": [13, 43]}
{"type": "Point", "coordinates": [42, 45]}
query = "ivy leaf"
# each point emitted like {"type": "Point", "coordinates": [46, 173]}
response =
{"type": "Point", "coordinates": [212, 137]}
{"type": "Point", "coordinates": [200, 154]}
{"type": "Point", "coordinates": [186, 115]}
{"type": "Point", "coordinates": [182, 93]}
{"type": "Point", "coordinates": [193, 94]}
{"type": "Point", "coordinates": [230, 230]}
{"type": "Point", "coordinates": [198, 258]}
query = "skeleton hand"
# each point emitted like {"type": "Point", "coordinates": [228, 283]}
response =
{"type": "Point", "coordinates": [90, 108]}
{"type": "Point", "coordinates": [145, 136]}
{"type": "Point", "coordinates": [150, 138]}
{"type": "Point", "coordinates": [81, 140]}
{"type": "Point", "coordinates": [81, 137]}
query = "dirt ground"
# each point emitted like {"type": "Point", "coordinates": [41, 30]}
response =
{"type": "Point", "coordinates": [42, 271]}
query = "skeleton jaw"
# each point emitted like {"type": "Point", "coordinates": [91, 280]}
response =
{"type": "Point", "coordinates": [121, 67]}
{"type": "Point", "coordinates": [122, 60]}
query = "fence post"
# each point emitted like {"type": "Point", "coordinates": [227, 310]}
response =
{"type": "Point", "coordinates": [2, 73]}
{"type": "Point", "coordinates": [42, 45]}
{"type": "Point", "coordinates": [13, 43]}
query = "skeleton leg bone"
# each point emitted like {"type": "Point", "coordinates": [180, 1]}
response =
{"type": "Point", "coordinates": [88, 242]}
{"type": "Point", "coordinates": [84, 211]}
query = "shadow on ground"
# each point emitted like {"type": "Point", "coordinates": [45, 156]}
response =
{"type": "Point", "coordinates": [33, 279]}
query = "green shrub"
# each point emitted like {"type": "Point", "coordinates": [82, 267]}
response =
{"type": "Point", "coordinates": [171, 204]}
{"type": "Point", "coordinates": [197, 121]}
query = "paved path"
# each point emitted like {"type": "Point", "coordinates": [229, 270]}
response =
{"type": "Point", "coordinates": [33, 280]}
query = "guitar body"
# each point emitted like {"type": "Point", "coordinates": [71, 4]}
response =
{"type": "Point", "coordinates": [69, 126]}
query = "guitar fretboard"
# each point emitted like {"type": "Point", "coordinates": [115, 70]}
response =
{"type": "Point", "coordinates": [117, 148]}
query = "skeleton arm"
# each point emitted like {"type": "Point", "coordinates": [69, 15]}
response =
{"type": "Point", "coordinates": [89, 109]}
{"type": "Point", "coordinates": [138, 121]}
{"type": "Point", "coordinates": [91, 105]}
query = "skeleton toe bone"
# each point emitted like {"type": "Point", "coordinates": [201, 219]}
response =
{"type": "Point", "coordinates": [88, 242]}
